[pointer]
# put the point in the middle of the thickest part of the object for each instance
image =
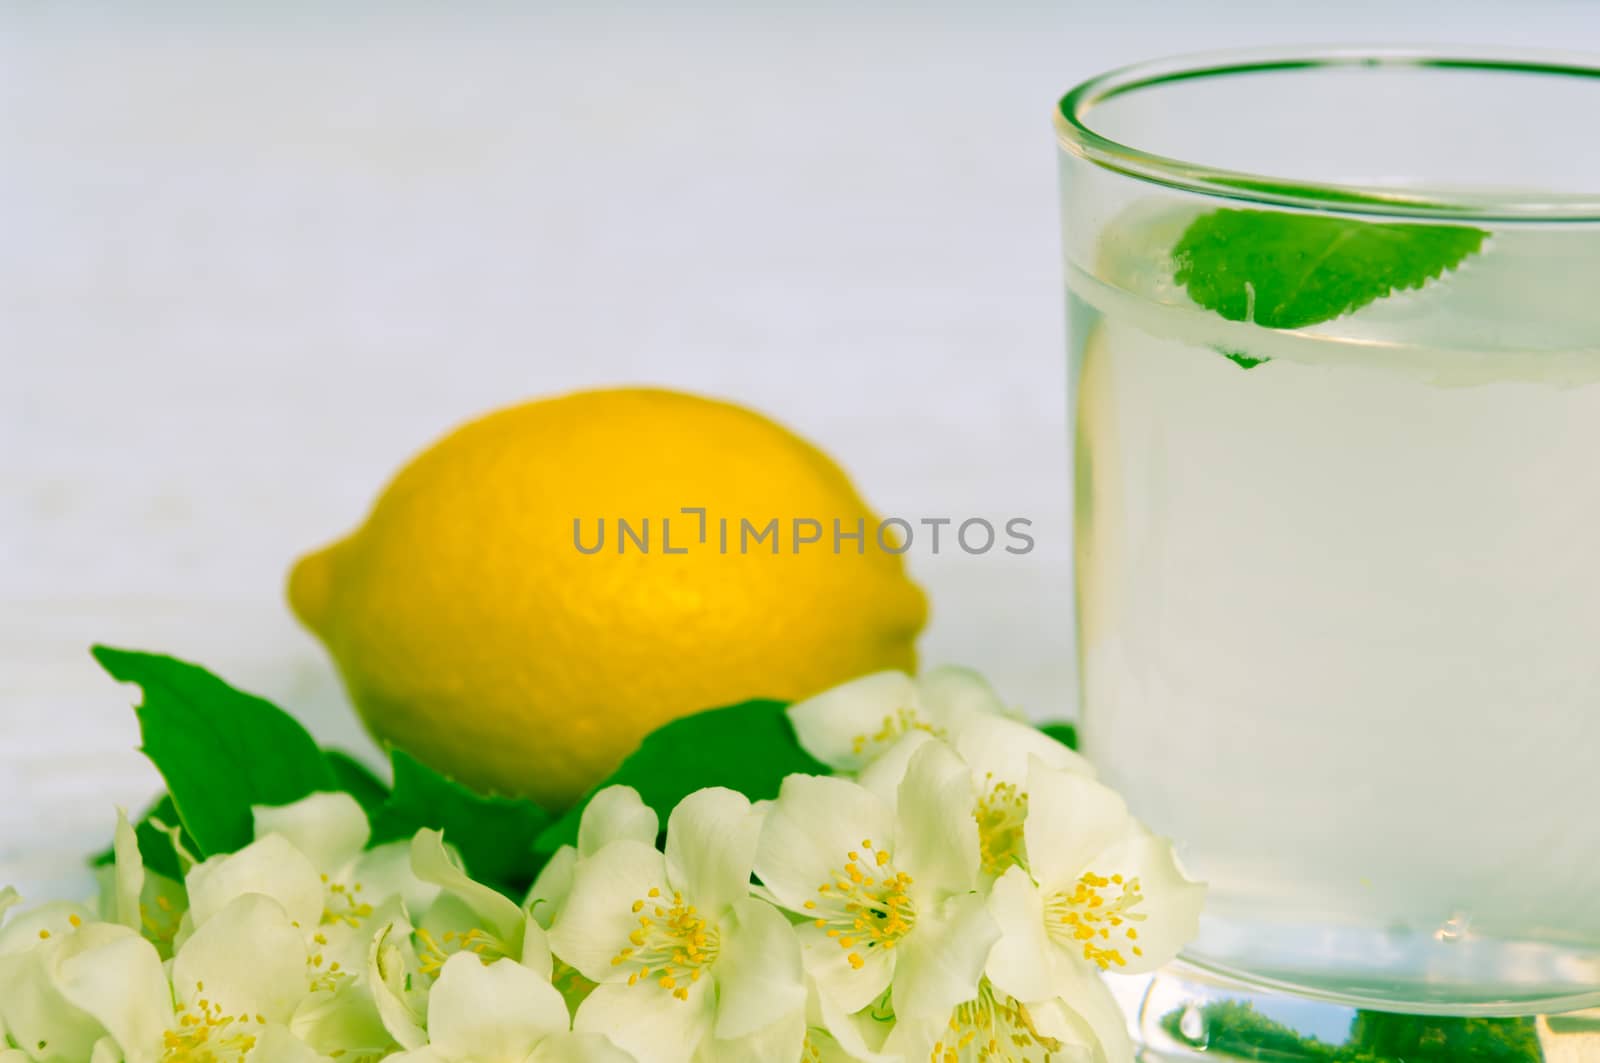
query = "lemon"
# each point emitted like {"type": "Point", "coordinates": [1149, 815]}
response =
{"type": "Point", "coordinates": [477, 627]}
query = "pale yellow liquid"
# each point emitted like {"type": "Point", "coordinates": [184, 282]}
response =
{"type": "Point", "coordinates": [1340, 629]}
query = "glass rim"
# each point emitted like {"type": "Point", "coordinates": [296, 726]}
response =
{"type": "Point", "coordinates": [1075, 132]}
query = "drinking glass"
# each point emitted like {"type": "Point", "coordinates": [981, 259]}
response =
{"type": "Point", "coordinates": [1335, 347]}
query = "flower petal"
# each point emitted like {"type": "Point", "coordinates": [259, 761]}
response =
{"type": "Point", "coordinates": [249, 957]}
{"type": "Point", "coordinates": [22, 933]}
{"type": "Point", "coordinates": [783, 1039]}
{"type": "Point", "coordinates": [341, 1021]}
{"type": "Point", "coordinates": [329, 828]}
{"type": "Point", "coordinates": [1042, 1032]}
{"type": "Point", "coordinates": [33, 1011]}
{"type": "Point", "coordinates": [757, 970]}
{"type": "Point", "coordinates": [1090, 1008]}
{"type": "Point", "coordinates": [578, 1048]}
{"type": "Point", "coordinates": [1071, 820]}
{"type": "Point", "coordinates": [536, 950]}
{"type": "Point", "coordinates": [950, 694]}
{"type": "Point", "coordinates": [711, 845]}
{"type": "Point", "coordinates": [594, 926]}
{"type": "Point", "coordinates": [1171, 905]}
{"type": "Point", "coordinates": [491, 1011]}
{"type": "Point", "coordinates": [394, 976]}
{"type": "Point", "coordinates": [108, 971]}
{"type": "Point", "coordinates": [432, 862]}
{"type": "Point", "coordinates": [616, 814]}
{"type": "Point", "coordinates": [936, 836]}
{"type": "Point", "coordinates": [270, 866]}
{"type": "Point", "coordinates": [111, 974]}
{"type": "Point", "coordinates": [847, 987]}
{"type": "Point", "coordinates": [884, 775]}
{"type": "Point", "coordinates": [835, 1034]}
{"type": "Point", "coordinates": [424, 1054]}
{"type": "Point", "coordinates": [553, 886]}
{"type": "Point", "coordinates": [941, 961]}
{"type": "Point", "coordinates": [275, 1044]}
{"type": "Point", "coordinates": [809, 830]}
{"type": "Point", "coordinates": [649, 1021]}
{"type": "Point", "coordinates": [127, 875]}
{"type": "Point", "coordinates": [1020, 964]}
{"type": "Point", "coordinates": [1001, 748]}
{"type": "Point", "coordinates": [385, 871]}
{"type": "Point", "coordinates": [839, 726]}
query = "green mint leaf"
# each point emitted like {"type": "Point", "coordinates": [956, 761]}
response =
{"type": "Point", "coordinates": [1062, 731]}
{"type": "Point", "coordinates": [1240, 359]}
{"type": "Point", "coordinates": [220, 750]}
{"type": "Point", "coordinates": [155, 844]}
{"type": "Point", "coordinates": [357, 780]}
{"type": "Point", "coordinates": [494, 835]}
{"type": "Point", "coordinates": [1287, 271]}
{"type": "Point", "coordinates": [748, 747]}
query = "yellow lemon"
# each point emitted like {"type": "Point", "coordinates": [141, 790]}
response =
{"type": "Point", "coordinates": [528, 598]}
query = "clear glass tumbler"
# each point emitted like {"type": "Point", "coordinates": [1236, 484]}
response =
{"type": "Point", "coordinates": [1335, 339]}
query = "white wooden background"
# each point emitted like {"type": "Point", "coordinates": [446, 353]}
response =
{"type": "Point", "coordinates": [253, 256]}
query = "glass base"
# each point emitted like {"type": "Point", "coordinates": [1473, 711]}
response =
{"type": "Point", "coordinates": [1183, 1013]}
{"type": "Point", "coordinates": [1448, 969]}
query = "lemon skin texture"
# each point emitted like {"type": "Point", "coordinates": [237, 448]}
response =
{"type": "Point", "coordinates": [471, 631]}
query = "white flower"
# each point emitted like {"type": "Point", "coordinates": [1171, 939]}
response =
{"type": "Point", "coordinates": [75, 989]}
{"type": "Point", "coordinates": [1095, 892]}
{"type": "Point", "coordinates": [502, 1012]}
{"type": "Point", "coordinates": [1098, 889]}
{"type": "Point", "coordinates": [851, 725]}
{"type": "Point", "coordinates": [686, 960]}
{"type": "Point", "coordinates": [311, 858]}
{"type": "Point", "coordinates": [998, 750]}
{"type": "Point", "coordinates": [138, 898]}
{"type": "Point", "coordinates": [832, 1036]}
{"type": "Point", "coordinates": [614, 814]}
{"type": "Point", "coordinates": [98, 990]}
{"type": "Point", "coordinates": [466, 916]}
{"type": "Point", "coordinates": [889, 894]}
{"type": "Point", "coordinates": [994, 1025]}
{"type": "Point", "coordinates": [69, 984]}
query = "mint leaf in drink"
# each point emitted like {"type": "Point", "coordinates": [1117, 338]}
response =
{"type": "Point", "coordinates": [1240, 359]}
{"type": "Point", "coordinates": [1286, 271]}
{"type": "Point", "coordinates": [220, 750]}
{"type": "Point", "coordinates": [748, 747]}
{"type": "Point", "coordinates": [494, 835]}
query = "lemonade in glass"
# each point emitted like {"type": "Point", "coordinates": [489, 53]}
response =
{"type": "Point", "coordinates": [1335, 346]}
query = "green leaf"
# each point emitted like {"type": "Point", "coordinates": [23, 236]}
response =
{"type": "Point", "coordinates": [155, 844]}
{"type": "Point", "coordinates": [494, 835]}
{"type": "Point", "coordinates": [357, 780]}
{"type": "Point", "coordinates": [1062, 731]}
{"type": "Point", "coordinates": [1287, 271]}
{"type": "Point", "coordinates": [219, 749]}
{"type": "Point", "coordinates": [748, 747]}
{"type": "Point", "coordinates": [1240, 359]}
